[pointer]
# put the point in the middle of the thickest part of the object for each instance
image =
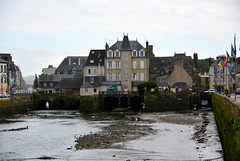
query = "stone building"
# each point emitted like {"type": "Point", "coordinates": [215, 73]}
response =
{"type": "Point", "coordinates": [179, 70]}
{"type": "Point", "coordinates": [127, 62]}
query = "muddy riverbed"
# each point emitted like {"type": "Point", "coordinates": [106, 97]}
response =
{"type": "Point", "coordinates": [69, 135]}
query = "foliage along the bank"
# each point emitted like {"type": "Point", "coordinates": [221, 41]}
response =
{"type": "Point", "coordinates": [148, 85]}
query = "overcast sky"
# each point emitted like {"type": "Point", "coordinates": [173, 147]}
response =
{"type": "Point", "coordinates": [38, 33]}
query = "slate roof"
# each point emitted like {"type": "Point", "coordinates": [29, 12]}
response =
{"type": "Point", "coordinates": [160, 63]}
{"type": "Point", "coordinates": [70, 83]}
{"type": "Point", "coordinates": [179, 85]}
{"type": "Point", "coordinates": [97, 56]}
{"type": "Point", "coordinates": [74, 63]}
{"type": "Point", "coordinates": [164, 63]}
{"type": "Point", "coordinates": [87, 85]}
{"type": "Point", "coordinates": [127, 45]}
{"type": "Point", "coordinates": [2, 61]}
{"type": "Point", "coordinates": [53, 78]}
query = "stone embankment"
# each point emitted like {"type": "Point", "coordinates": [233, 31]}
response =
{"type": "Point", "coordinates": [227, 115]}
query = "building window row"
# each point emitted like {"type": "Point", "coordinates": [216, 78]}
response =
{"type": "Point", "coordinates": [113, 65]}
{"type": "Point", "coordinates": [135, 76]}
{"type": "Point", "coordinates": [135, 64]}
{"type": "Point", "coordinates": [66, 72]}
{"type": "Point", "coordinates": [140, 53]}
{"type": "Point", "coordinates": [3, 69]}
{"type": "Point", "coordinates": [111, 54]}
{"type": "Point", "coordinates": [113, 77]}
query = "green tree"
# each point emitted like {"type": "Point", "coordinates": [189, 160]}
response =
{"type": "Point", "coordinates": [148, 85]}
{"type": "Point", "coordinates": [203, 65]}
{"type": "Point", "coordinates": [36, 83]}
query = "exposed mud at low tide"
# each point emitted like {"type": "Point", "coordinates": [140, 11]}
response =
{"type": "Point", "coordinates": [121, 131]}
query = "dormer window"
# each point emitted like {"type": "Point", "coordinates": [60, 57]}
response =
{"type": "Point", "coordinates": [142, 53]}
{"type": "Point", "coordinates": [117, 53]}
{"type": "Point", "coordinates": [91, 61]}
{"type": "Point", "coordinates": [134, 53]}
{"type": "Point", "coordinates": [110, 53]}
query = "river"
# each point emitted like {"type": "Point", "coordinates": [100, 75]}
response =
{"type": "Point", "coordinates": [53, 135]}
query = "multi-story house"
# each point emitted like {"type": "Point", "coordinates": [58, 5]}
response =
{"type": "Point", "coordinates": [72, 65]}
{"type": "Point", "coordinates": [3, 75]}
{"type": "Point", "coordinates": [71, 69]}
{"type": "Point", "coordinates": [175, 72]}
{"type": "Point", "coordinates": [222, 79]}
{"type": "Point", "coordinates": [14, 75]}
{"type": "Point", "coordinates": [93, 72]}
{"type": "Point", "coordinates": [127, 62]}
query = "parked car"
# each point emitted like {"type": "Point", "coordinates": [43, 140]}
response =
{"type": "Point", "coordinates": [210, 91]}
{"type": "Point", "coordinates": [4, 95]}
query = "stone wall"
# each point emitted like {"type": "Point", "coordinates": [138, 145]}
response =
{"type": "Point", "coordinates": [179, 74]}
{"type": "Point", "coordinates": [226, 112]}
{"type": "Point", "coordinates": [166, 102]}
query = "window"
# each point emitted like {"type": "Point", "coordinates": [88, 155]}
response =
{"type": "Point", "coordinates": [117, 76]}
{"type": "Point", "coordinates": [95, 90]}
{"type": "Point", "coordinates": [89, 71]}
{"type": "Point", "coordinates": [110, 54]}
{"type": "Point", "coordinates": [1, 68]}
{"type": "Point", "coordinates": [110, 65]}
{"type": "Point", "coordinates": [142, 76]}
{"type": "Point", "coordinates": [91, 61]}
{"type": "Point", "coordinates": [125, 68]}
{"type": "Point", "coordinates": [126, 80]}
{"type": "Point", "coordinates": [141, 64]}
{"type": "Point", "coordinates": [117, 65]}
{"type": "Point", "coordinates": [134, 64]}
{"type": "Point", "coordinates": [117, 53]}
{"type": "Point", "coordinates": [91, 79]}
{"type": "Point", "coordinates": [95, 71]}
{"type": "Point", "coordinates": [44, 84]}
{"type": "Point", "coordinates": [134, 53]}
{"type": "Point", "coordinates": [125, 56]}
{"type": "Point", "coordinates": [51, 84]}
{"type": "Point", "coordinates": [86, 90]}
{"type": "Point", "coordinates": [162, 72]}
{"type": "Point", "coordinates": [134, 76]}
{"type": "Point", "coordinates": [110, 76]}
{"type": "Point", "coordinates": [142, 53]}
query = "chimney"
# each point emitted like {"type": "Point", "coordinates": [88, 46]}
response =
{"type": "Point", "coordinates": [69, 61]}
{"type": "Point", "coordinates": [106, 46]}
{"type": "Point", "coordinates": [195, 59]}
{"type": "Point", "coordinates": [79, 61]}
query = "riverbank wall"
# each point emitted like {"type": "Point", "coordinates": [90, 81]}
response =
{"type": "Point", "coordinates": [227, 115]}
{"type": "Point", "coordinates": [17, 104]}
{"type": "Point", "coordinates": [155, 102]}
